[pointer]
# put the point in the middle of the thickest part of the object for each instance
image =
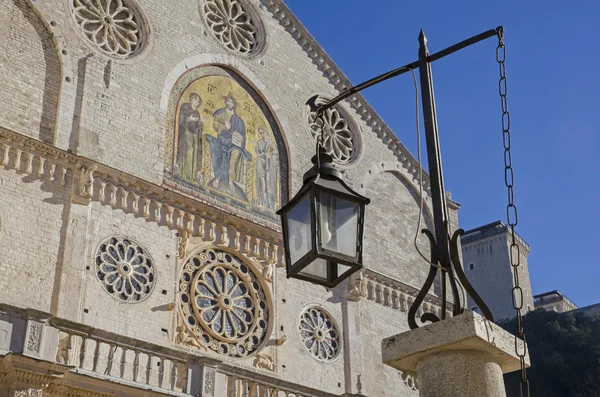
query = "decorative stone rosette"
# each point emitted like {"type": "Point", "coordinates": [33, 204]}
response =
{"type": "Point", "coordinates": [339, 135]}
{"type": "Point", "coordinates": [223, 304]}
{"type": "Point", "coordinates": [319, 334]}
{"type": "Point", "coordinates": [232, 23]}
{"type": "Point", "coordinates": [125, 269]}
{"type": "Point", "coordinates": [113, 27]}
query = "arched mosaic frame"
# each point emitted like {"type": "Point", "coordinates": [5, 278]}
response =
{"type": "Point", "coordinates": [202, 261]}
{"type": "Point", "coordinates": [254, 113]}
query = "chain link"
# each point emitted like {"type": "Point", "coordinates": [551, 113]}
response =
{"type": "Point", "coordinates": [512, 215]}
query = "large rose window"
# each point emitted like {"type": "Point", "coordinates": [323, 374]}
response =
{"type": "Point", "coordinates": [223, 303]}
{"type": "Point", "coordinates": [232, 25]}
{"type": "Point", "coordinates": [319, 334]}
{"type": "Point", "coordinates": [338, 135]}
{"type": "Point", "coordinates": [125, 269]}
{"type": "Point", "coordinates": [112, 26]}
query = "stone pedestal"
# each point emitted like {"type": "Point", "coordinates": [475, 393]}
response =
{"type": "Point", "coordinates": [464, 356]}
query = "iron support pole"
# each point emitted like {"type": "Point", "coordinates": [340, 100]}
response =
{"type": "Point", "coordinates": [444, 250]}
{"type": "Point", "coordinates": [436, 175]}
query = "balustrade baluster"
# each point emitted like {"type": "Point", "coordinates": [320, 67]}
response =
{"type": "Point", "coordinates": [82, 351]}
{"type": "Point", "coordinates": [148, 369]}
{"type": "Point", "coordinates": [161, 372]}
{"type": "Point", "coordinates": [136, 365]}
{"type": "Point", "coordinates": [232, 382]}
{"type": "Point", "coordinates": [96, 356]}
{"type": "Point", "coordinates": [70, 349]}
{"type": "Point", "coordinates": [123, 363]}
{"type": "Point", "coordinates": [245, 388]}
{"type": "Point", "coordinates": [111, 359]}
{"type": "Point", "coordinates": [173, 374]}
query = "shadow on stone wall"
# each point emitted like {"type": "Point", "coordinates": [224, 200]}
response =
{"type": "Point", "coordinates": [48, 121]}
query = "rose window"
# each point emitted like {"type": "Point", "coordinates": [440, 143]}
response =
{"type": "Point", "coordinates": [223, 303]}
{"type": "Point", "coordinates": [232, 25]}
{"type": "Point", "coordinates": [319, 334]}
{"type": "Point", "coordinates": [125, 269]}
{"type": "Point", "coordinates": [339, 140]}
{"type": "Point", "coordinates": [112, 26]}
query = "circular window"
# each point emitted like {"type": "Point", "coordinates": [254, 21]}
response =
{"type": "Point", "coordinates": [340, 139]}
{"type": "Point", "coordinates": [113, 27]}
{"type": "Point", "coordinates": [223, 303]}
{"type": "Point", "coordinates": [233, 24]}
{"type": "Point", "coordinates": [124, 269]}
{"type": "Point", "coordinates": [319, 334]}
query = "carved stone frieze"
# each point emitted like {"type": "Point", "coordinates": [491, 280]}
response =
{"type": "Point", "coordinates": [134, 195]}
{"type": "Point", "coordinates": [34, 338]}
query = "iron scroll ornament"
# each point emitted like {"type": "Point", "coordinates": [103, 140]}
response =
{"type": "Point", "coordinates": [451, 267]}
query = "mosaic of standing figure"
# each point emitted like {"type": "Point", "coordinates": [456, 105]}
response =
{"type": "Point", "coordinates": [222, 144]}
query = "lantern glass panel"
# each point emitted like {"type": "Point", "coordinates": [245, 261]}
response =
{"type": "Point", "coordinates": [342, 269]}
{"type": "Point", "coordinates": [339, 224]}
{"type": "Point", "coordinates": [317, 269]}
{"type": "Point", "coordinates": [299, 229]}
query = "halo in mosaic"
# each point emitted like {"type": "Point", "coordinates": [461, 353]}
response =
{"type": "Point", "coordinates": [233, 25]}
{"type": "Point", "coordinates": [113, 27]}
{"type": "Point", "coordinates": [125, 269]}
{"type": "Point", "coordinates": [223, 146]}
{"type": "Point", "coordinates": [340, 138]}
{"type": "Point", "coordinates": [223, 304]}
{"type": "Point", "coordinates": [319, 334]}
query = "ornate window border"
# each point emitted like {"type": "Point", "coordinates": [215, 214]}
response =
{"type": "Point", "coordinates": [335, 326]}
{"type": "Point", "coordinates": [193, 283]}
{"type": "Point", "coordinates": [249, 9]}
{"type": "Point", "coordinates": [146, 33]}
{"type": "Point", "coordinates": [353, 128]}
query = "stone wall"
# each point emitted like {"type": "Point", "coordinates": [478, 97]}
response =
{"type": "Point", "coordinates": [82, 146]}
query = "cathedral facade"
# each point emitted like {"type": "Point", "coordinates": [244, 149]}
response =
{"type": "Point", "coordinates": [145, 146]}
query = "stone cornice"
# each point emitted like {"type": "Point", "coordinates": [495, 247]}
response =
{"type": "Point", "coordinates": [340, 82]}
{"type": "Point", "coordinates": [120, 190]}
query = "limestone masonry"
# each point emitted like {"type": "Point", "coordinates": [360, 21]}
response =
{"type": "Point", "coordinates": [145, 146]}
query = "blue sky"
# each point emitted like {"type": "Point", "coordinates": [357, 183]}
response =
{"type": "Point", "coordinates": [553, 97]}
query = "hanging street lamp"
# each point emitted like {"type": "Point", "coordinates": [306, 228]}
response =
{"type": "Point", "coordinates": [323, 226]}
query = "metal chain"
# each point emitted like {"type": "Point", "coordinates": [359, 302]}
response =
{"type": "Point", "coordinates": [512, 216]}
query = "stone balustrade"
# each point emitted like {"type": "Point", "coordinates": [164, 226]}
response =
{"type": "Point", "coordinates": [75, 359]}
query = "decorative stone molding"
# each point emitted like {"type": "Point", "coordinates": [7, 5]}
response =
{"type": "Point", "coordinates": [117, 29]}
{"type": "Point", "coordinates": [34, 337]}
{"type": "Point", "coordinates": [398, 295]}
{"type": "Point", "coordinates": [180, 370]}
{"type": "Point", "coordinates": [235, 24]}
{"type": "Point", "coordinates": [224, 304]}
{"type": "Point", "coordinates": [125, 192]}
{"type": "Point", "coordinates": [339, 80]}
{"type": "Point", "coordinates": [406, 174]}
